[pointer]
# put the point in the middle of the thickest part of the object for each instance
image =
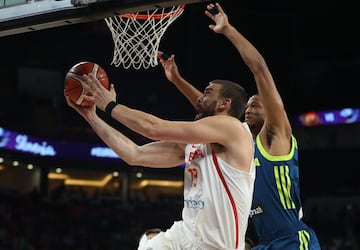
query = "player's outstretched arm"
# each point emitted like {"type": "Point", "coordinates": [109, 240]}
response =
{"type": "Point", "coordinates": [275, 113]}
{"type": "Point", "coordinates": [156, 154]}
{"type": "Point", "coordinates": [172, 74]}
{"type": "Point", "coordinates": [144, 123]}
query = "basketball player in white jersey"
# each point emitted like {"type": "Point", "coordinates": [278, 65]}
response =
{"type": "Point", "coordinates": [217, 148]}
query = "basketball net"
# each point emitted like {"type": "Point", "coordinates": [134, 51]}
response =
{"type": "Point", "coordinates": [137, 36]}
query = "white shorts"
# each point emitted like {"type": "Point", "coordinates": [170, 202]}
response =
{"type": "Point", "coordinates": [175, 238]}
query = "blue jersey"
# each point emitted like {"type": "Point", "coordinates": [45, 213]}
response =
{"type": "Point", "coordinates": [276, 209]}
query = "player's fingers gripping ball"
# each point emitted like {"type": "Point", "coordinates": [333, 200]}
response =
{"type": "Point", "coordinates": [74, 78]}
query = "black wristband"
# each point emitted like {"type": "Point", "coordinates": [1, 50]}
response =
{"type": "Point", "coordinates": [109, 107]}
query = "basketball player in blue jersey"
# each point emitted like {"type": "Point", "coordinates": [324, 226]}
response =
{"type": "Point", "coordinates": [276, 209]}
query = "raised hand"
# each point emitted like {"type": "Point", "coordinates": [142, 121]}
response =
{"type": "Point", "coordinates": [169, 66]}
{"type": "Point", "coordinates": [217, 14]}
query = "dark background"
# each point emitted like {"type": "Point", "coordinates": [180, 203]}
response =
{"type": "Point", "coordinates": [311, 47]}
{"type": "Point", "coordinates": [312, 50]}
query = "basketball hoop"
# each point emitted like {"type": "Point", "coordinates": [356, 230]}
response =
{"type": "Point", "coordinates": [137, 36]}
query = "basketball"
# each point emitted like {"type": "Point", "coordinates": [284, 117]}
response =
{"type": "Point", "coordinates": [74, 77]}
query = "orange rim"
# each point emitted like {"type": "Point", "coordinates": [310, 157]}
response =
{"type": "Point", "coordinates": [155, 16]}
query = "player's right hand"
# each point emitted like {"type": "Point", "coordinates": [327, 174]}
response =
{"type": "Point", "coordinates": [218, 16]}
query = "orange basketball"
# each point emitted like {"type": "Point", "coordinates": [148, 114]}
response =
{"type": "Point", "coordinates": [74, 77]}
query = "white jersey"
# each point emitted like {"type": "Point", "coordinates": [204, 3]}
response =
{"type": "Point", "coordinates": [217, 203]}
{"type": "Point", "coordinates": [217, 200]}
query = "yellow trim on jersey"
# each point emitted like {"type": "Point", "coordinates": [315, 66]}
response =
{"type": "Point", "coordinates": [276, 157]}
{"type": "Point", "coordinates": [283, 185]}
{"type": "Point", "coordinates": [304, 238]}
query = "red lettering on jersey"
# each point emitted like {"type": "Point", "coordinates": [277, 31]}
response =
{"type": "Point", "coordinates": [196, 154]}
{"type": "Point", "coordinates": [194, 176]}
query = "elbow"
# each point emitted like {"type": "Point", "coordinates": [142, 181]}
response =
{"type": "Point", "coordinates": [129, 155]}
{"type": "Point", "coordinates": [131, 160]}
{"type": "Point", "coordinates": [131, 163]}
{"type": "Point", "coordinates": [260, 67]}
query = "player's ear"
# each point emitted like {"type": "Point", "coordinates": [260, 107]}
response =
{"type": "Point", "coordinates": [224, 104]}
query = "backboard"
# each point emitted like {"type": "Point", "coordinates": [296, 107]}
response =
{"type": "Point", "coordinates": [20, 16]}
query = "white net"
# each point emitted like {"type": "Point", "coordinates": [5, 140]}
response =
{"type": "Point", "coordinates": [137, 36]}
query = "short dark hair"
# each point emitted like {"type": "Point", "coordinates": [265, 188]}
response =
{"type": "Point", "coordinates": [236, 93]}
{"type": "Point", "coordinates": [152, 231]}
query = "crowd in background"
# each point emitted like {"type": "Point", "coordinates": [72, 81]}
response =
{"type": "Point", "coordinates": [81, 222]}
